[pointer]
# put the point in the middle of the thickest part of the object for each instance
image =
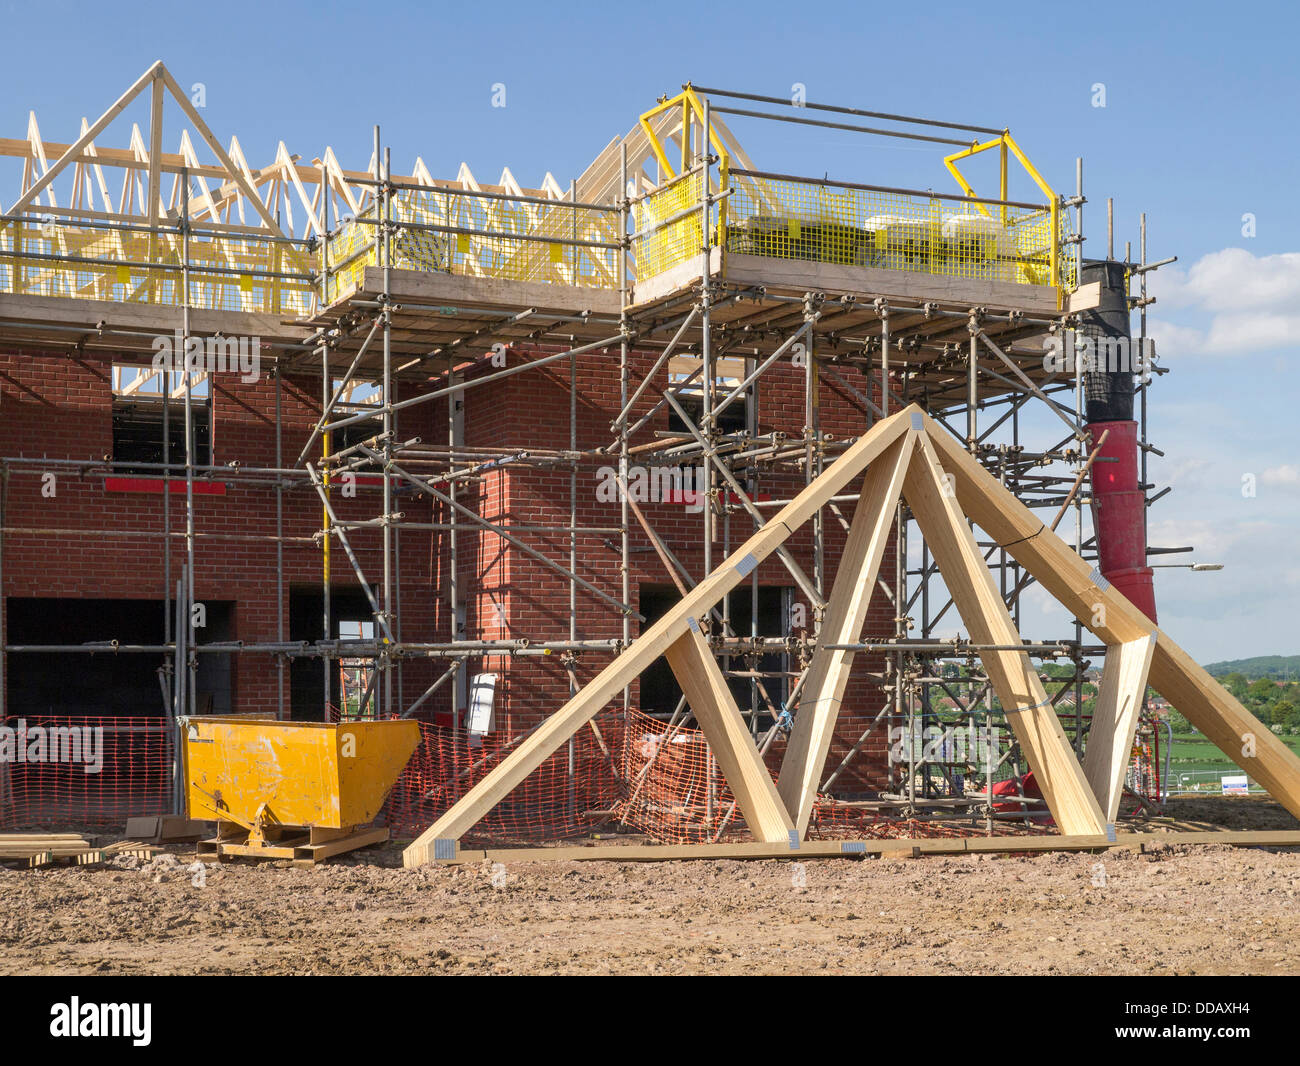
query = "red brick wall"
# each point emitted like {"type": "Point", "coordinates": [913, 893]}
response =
{"type": "Point", "coordinates": [57, 406]}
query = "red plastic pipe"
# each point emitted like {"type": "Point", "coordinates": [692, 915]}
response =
{"type": "Point", "coordinates": [1119, 515]}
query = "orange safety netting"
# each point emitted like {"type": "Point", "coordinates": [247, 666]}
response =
{"type": "Point", "coordinates": [84, 770]}
{"type": "Point", "coordinates": [629, 772]}
{"type": "Point", "coordinates": [564, 796]}
{"type": "Point", "coordinates": [624, 772]}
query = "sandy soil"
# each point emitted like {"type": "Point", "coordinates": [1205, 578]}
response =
{"type": "Point", "coordinates": [1176, 909]}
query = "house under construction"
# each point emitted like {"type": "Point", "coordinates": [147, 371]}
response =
{"type": "Point", "coordinates": [306, 441]}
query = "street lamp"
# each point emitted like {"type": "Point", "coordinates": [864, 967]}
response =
{"type": "Point", "coordinates": [1188, 566]}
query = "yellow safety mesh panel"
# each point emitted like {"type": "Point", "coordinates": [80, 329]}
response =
{"type": "Point", "coordinates": [784, 219]}
{"type": "Point", "coordinates": [485, 236]}
{"type": "Point", "coordinates": [90, 262]}
{"type": "Point", "coordinates": [349, 250]}
{"type": "Point", "coordinates": [415, 249]}
{"type": "Point", "coordinates": [667, 245]}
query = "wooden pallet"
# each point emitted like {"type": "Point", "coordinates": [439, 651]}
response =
{"type": "Point", "coordinates": [303, 850]}
{"type": "Point", "coordinates": [41, 849]}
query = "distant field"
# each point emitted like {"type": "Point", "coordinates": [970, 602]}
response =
{"type": "Point", "coordinates": [1196, 755]}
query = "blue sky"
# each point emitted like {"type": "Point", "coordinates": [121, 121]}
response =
{"type": "Point", "coordinates": [1197, 131]}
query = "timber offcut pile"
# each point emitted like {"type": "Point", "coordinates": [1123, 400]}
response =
{"type": "Point", "coordinates": [44, 849]}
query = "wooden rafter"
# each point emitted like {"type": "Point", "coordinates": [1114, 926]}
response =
{"type": "Point", "coordinates": [77, 147]}
{"type": "Point", "coordinates": [944, 487]}
{"type": "Point", "coordinates": [1110, 616]}
{"type": "Point", "coordinates": [1115, 720]}
{"type": "Point", "coordinates": [440, 838]}
{"type": "Point", "coordinates": [143, 156]}
{"type": "Point", "coordinates": [230, 196]}
{"type": "Point", "coordinates": [846, 612]}
{"type": "Point", "coordinates": [1024, 700]}
{"type": "Point", "coordinates": [706, 690]}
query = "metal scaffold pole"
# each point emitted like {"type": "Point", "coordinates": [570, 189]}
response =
{"type": "Point", "coordinates": [323, 351]}
{"type": "Point", "coordinates": [709, 371]}
{"type": "Point", "coordinates": [386, 262]}
{"type": "Point", "coordinates": [280, 635]}
{"type": "Point", "coordinates": [190, 704]}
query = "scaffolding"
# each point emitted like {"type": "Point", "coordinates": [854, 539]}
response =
{"type": "Point", "coordinates": [673, 245]}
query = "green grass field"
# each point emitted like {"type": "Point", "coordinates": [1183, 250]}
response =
{"type": "Point", "coordinates": [1194, 755]}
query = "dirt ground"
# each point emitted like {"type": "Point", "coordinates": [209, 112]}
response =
{"type": "Point", "coordinates": [1176, 909]}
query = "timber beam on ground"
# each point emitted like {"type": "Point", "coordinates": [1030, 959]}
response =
{"type": "Point", "coordinates": [898, 847]}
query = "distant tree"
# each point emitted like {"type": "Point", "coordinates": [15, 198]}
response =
{"type": "Point", "coordinates": [1236, 684]}
{"type": "Point", "coordinates": [1283, 712]}
{"type": "Point", "coordinates": [1262, 690]}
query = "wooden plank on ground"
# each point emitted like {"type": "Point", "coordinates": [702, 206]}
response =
{"type": "Point", "coordinates": [30, 838]}
{"type": "Point", "coordinates": [899, 846]}
{"type": "Point", "coordinates": [310, 854]}
{"type": "Point", "coordinates": [138, 848]}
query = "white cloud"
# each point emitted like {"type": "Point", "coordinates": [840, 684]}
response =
{"type": "Point", "coordinates": [1232, 280]}
{"type": "Point", "coordinates": [1235, 333]}
{"type": "Point", "coordinates": [1175, 340]}
{"type": "Point", "coordinates": [1209, 537]}
{"type": "Point", "coordinates": [1187, 475]}
{"type": "Point", "coordinates": [1251, 301]}
{"type": "Point", "coordinates": [1281, 475]}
